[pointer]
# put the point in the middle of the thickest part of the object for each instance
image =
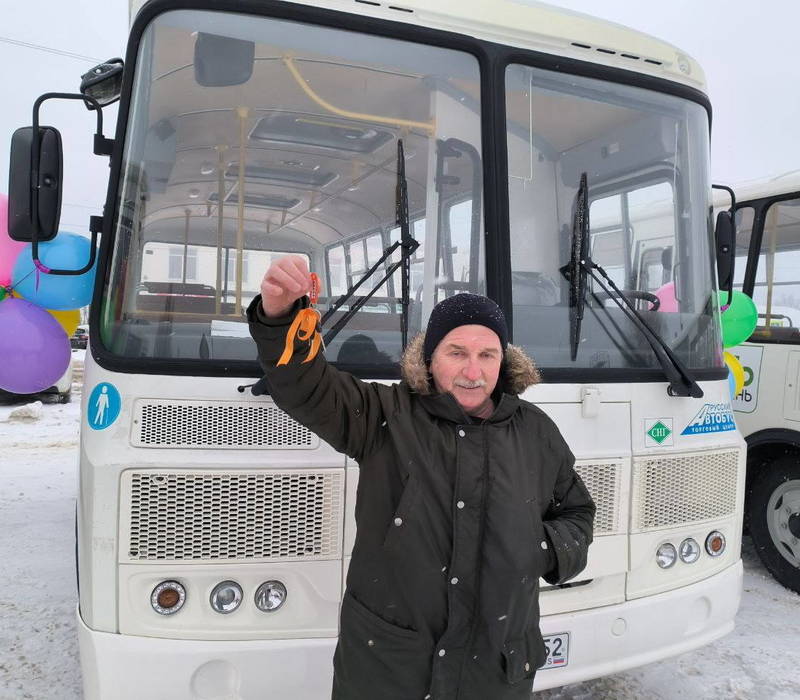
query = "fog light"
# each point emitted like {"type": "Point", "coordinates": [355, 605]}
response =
{"type": "Point", "coordinates": [715, 543]}
{"type": "Point", "coordinates": [226, 597]}
{"type": "Point", "coordinates": [168, 597]}
{"type": "Point", "coordinates": [270, 595]}
{"type": "Point", "coordinates": [689, 551]}
{"type": "Point", "coordinates": [666, 555]}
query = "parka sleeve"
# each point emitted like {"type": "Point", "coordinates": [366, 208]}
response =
{"type": "Point", "coordinates": [569, 519]}
{"type": "Point", "coordinates": [341, 409]}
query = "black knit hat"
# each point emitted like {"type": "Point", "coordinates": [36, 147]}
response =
{"type": "Point", "coordinates": [463, 310]}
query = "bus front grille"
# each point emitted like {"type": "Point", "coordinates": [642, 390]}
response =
{"type": "Point", "coordinates": [676, 490]}
{"type": "Point", "coordinates": [178, 515]}
{"type": "Point", "coordinates": [192, 424]}
{"type": "Point", "coordinates": [603, 482]}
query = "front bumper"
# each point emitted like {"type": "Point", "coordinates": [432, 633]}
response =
{"type": "Point", "coordinates": [615, 638]}
{"type": "Point", "coordinates": [603, 641]}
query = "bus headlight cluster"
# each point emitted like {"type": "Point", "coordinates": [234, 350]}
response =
{"type": "Point", "coordinates": [689, 550]}
{"type": "Point", "coordinates": [169, 596]}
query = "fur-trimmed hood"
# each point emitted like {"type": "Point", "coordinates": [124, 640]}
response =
{"type": "Point", "coordinates": [517, 373]}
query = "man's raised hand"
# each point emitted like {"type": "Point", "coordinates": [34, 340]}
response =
{"type": "Point", "coordinates": [286, 280]}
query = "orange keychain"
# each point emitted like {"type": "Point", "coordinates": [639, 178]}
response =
{"type": "Point", "coordinates": [304, 327]}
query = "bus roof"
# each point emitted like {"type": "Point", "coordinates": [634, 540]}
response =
{"type": "Point", "coordinates": [786, 183]}
{"type": "Point", "coordinates": [533, 25]}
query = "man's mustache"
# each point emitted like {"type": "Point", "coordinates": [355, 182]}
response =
{"type": "Point", "coordinates": [464, 384]}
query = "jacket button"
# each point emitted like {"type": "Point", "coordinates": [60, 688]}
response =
{"type": "Point", "coordinates": [442, 652]}
{"type": "Point", "coordinates": [370, 643]}
{"type": "Point", "coordinates": [399, 522]}
{"type": "Point", "coordinates": [461, 433]}
{"type": "Point", "coordinates": [454, 580]}
{"type": "Point", "coordinates": [543, 545]}
{"type": "Point", "coordinates": [460, 504]}
{"type": "Point", "coordinates": [527, 667]}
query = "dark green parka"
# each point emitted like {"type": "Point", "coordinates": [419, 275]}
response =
{"type": "Point", "coordinates": [456, 519]}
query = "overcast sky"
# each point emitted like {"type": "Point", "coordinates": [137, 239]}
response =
{"type": "Point", "coordinates": [749, 50]}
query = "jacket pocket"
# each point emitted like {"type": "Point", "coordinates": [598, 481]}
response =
{"type": "Point", "coordinates": [400, 519]}
{"type": "Point", "coordinates": [523, 655]}
{"type": "Point", "coordinates": [366, 615]}
{"type": "Point", "coordinates": [376, 659]}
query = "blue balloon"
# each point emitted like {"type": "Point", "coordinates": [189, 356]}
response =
{"type": "Point", "coordinates": [67, 251]}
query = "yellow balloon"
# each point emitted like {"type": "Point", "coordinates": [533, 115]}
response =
{"type": "Point", "coordinates": [69, 320]}
{"type": "Point", "coordinates": [736, 370]}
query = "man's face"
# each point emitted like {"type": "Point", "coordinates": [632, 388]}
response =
{"type": "Point", "coordinates": [467, 364]}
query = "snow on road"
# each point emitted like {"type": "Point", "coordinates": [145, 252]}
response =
{"type": "Point", "coordinates": [38, 646]}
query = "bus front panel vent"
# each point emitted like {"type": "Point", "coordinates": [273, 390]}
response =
{"type": "Point", "coordinates": [603, 480]}
{"type": "Point", "coordinates": [677, 490]}
{"type": "Point", "coordinates": [234, 515]}
{"type": "Point", "coordinates": [218, 424]}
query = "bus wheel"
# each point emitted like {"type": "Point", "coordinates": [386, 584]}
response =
{"type": "Point", "coordinates": [774, 514]}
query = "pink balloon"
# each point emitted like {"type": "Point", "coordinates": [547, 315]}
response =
{"type": "Point", "coordinates": [34, 349]}
{"type": "Point", "coordinates": [666, 295]}
{"type": "Point", "coordinates": [9, 249]}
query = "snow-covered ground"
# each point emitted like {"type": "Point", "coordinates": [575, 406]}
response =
{"type": "Point", "coordinates": [38, 647]}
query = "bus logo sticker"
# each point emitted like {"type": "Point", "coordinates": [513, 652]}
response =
{"type": "Point", "coordinates": [750, 357]}
{"type": "Point", "coordinates": [104, 406]}
{"type": "Point", "coordinates": [657, 432]}
{"type": "Point", "coordinates": [712, 418]}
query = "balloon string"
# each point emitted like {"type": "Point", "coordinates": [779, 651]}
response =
{"type": "Point", "coordinates": [10, 287]}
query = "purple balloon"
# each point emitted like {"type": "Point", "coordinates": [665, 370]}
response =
{"type": "Point", "coordinates": [34, 349]}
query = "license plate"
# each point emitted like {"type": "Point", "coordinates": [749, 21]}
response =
{"type": "Point", "coordinates": [557, 646]}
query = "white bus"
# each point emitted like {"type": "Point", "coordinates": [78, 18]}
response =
{"type": "Point", "coordinates": [768, 408]}
{"type": "Point", "coordinates": [214, 533]}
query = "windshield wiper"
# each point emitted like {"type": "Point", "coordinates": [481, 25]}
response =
{"type": "Point", "coordinates": [681, 382]}
{"type": "Point", "coordinates": [574, 270]}
{"type": "Point", "coordinates": [407, 246]}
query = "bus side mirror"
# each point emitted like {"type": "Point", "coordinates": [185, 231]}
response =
{"type": "Point", "coordinates": [221, 61]}
{"type": "Point", "coordinates": [41, 170]}
{"type": "Point", "coordinates": [103, 83]}
{"type": "Point", "coordinates": [725, 236]}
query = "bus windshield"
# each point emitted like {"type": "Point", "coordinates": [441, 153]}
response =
{"type": "Point", "coordinates": [250, 138]}
{"type": "Point", "coordinates": [645, 157]}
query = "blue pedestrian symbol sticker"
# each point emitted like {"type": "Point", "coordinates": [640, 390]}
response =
{"type": "Point", "coordinates": [104, 406]}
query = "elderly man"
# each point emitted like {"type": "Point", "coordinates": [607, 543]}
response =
{"type": "Point", "coordinates": [466, 496]}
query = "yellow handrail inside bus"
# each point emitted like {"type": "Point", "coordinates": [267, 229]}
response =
{"type": "Point", "coordinates": [429, 127]}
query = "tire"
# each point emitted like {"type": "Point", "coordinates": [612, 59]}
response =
{"type": "Point", "coordinates": [773, 505]}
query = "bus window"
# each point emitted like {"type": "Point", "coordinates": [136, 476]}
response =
{"type": "Point", "coordinates": [776, 292]}
{"type": "Point", "coordinates": [744, 231]}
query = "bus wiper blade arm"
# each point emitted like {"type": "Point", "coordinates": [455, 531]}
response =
{"type": "Point", "coordinates": [407, 246]}
{"type": "Point", "coordinates": [681, 382]}
{"type": "Point", "coordinates": [574, 270]}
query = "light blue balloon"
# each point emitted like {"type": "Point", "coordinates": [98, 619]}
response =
{"type": "Point", "coordinates": [67, 251]}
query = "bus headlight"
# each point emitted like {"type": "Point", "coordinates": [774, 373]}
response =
{"type": "Point", "coordinates": [270, 596]}
{"type": "Point", "coordinates": [689, 551]}
{"type": "Point", "coordinates": [666, 555]}
{"type": "Point", "coordinates": [715, 543]}
{"type": "Point", "coordinates": [226, 597]}
{"type": "Point", "coordinates": [168, 597]}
